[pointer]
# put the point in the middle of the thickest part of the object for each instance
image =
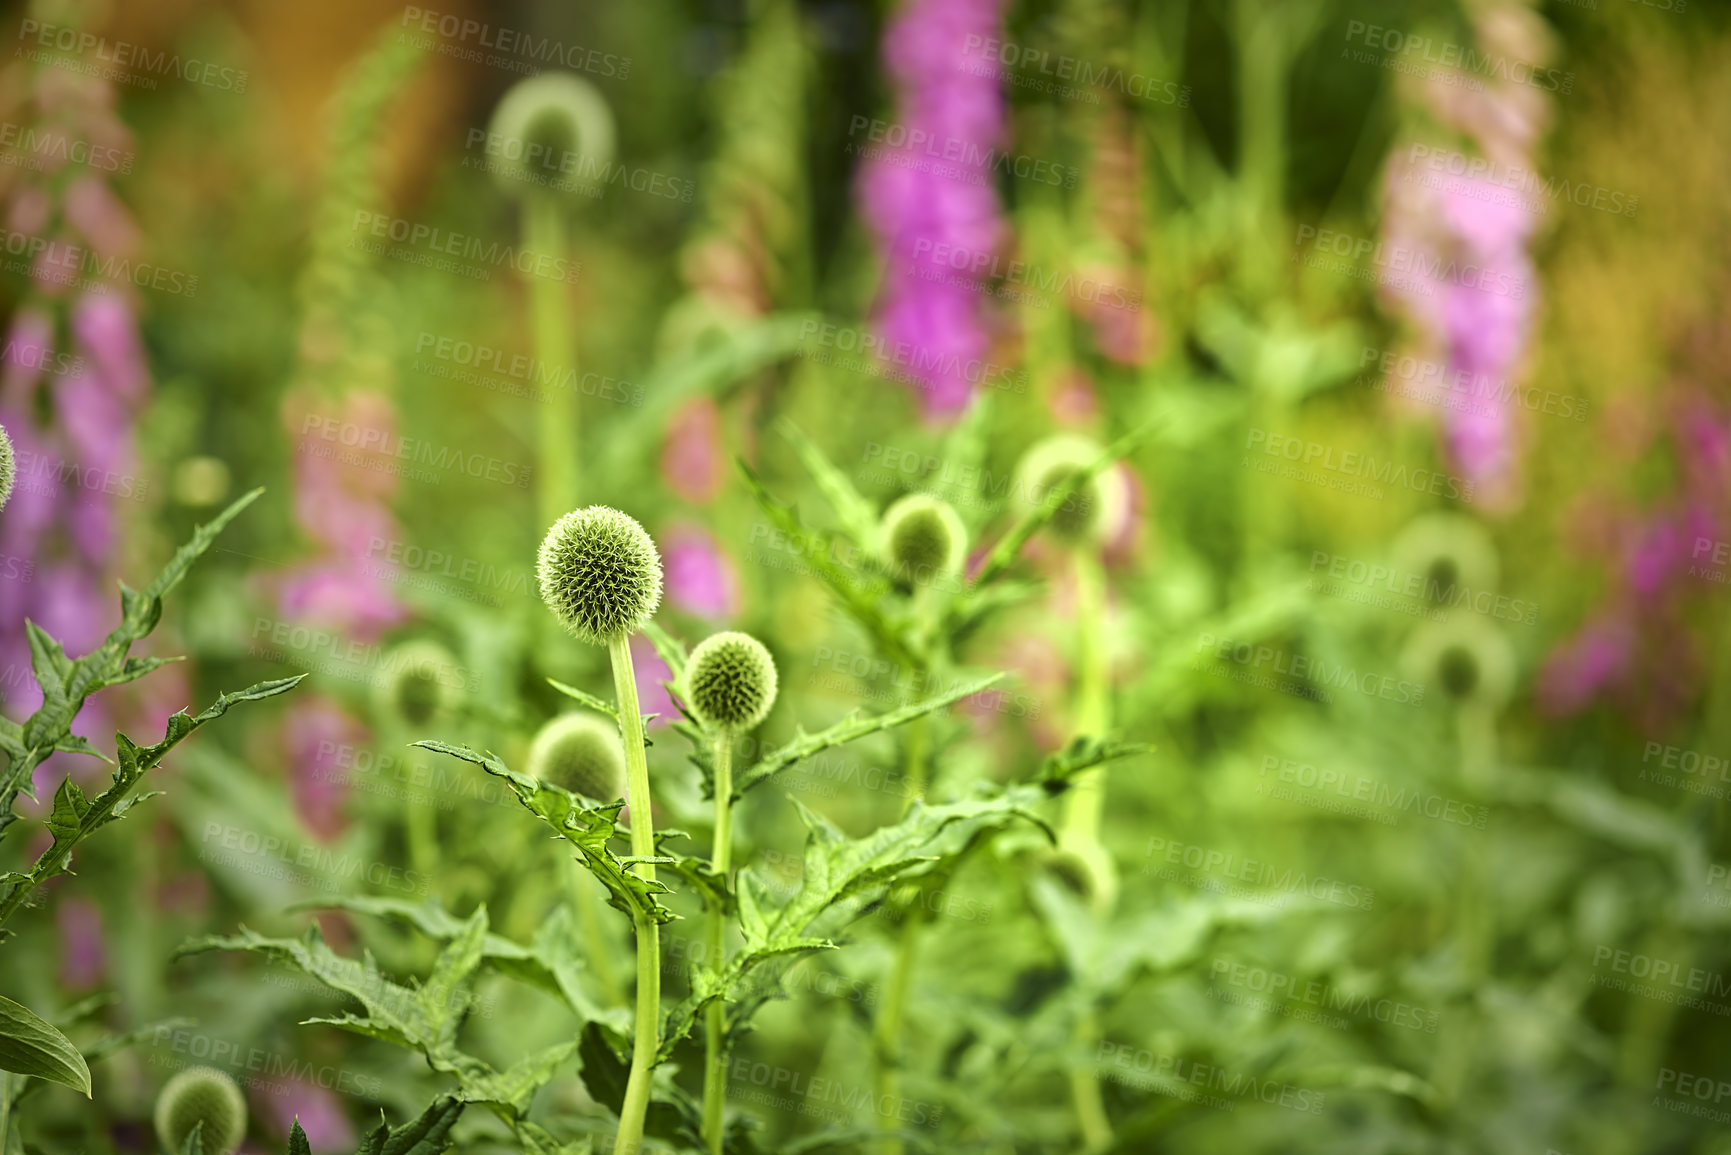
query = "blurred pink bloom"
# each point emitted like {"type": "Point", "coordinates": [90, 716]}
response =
{"type": "Point", "coordinates": [83, 948]}
{"type": "Point", "coordinates": [318, 1110]}
{"type": "Point", "coordinates": [652, 672]}
{"type": "Point", "coordinates": [693, 461]}
{"type": "Point", "coordinates": [96, 212]}
{"type": "Point", "coordinates": [104, 324]}
{"type": "Point", "coordinates": [1594, 660]}
{"type": "Point", "coordinates": [316, 732]}
{"type": "Point", "coordinates": [700, 579]}
{"type": "Point", "coordinates": [927, 207]}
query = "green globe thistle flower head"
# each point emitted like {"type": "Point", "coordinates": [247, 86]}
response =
{"type": "Point", "coordinates": [1449, 553]}
{"type": "Point", "coordinates": [549, 131]}
{"type": "Point", "coordinates": [8, 467]}
{"type": "Point", "coordinates": [581, 753]}
{"type": "Point", "coordinates": [924, 540]}
{"type": "Point", "coordinates": [600, 574]}
{"type": "Point", "coordinates": [1094, 513]}
{"type": "Point", "coordinates": [1467, 659]}
{"type": "Point", "coordinates": [421, 683]}
{"type": "Point", "coordinates": [730, 681]}
{"type": "Point", "coordinates": [201, 1095]}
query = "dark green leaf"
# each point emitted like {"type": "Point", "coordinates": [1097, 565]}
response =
{"type": "Point", "coordinates": [30, 1045]}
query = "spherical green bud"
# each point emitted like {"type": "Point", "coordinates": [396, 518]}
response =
{"type": "Point", "coordinates": [730, 681]}
{"type": "Point", "coordinates": [201, 1095]}
{"type": "Point", "coordinates": [541, 128]}
{"type": "Point", "coordinates": [600, 574]}
{"type": "Point", "coordinates": [8, 467]}
{"type": "Point", "coordinates": [1450, 553]}
{"type": "Point", "coordinates": [1092, 514]}
{"type": "Point", "coordinates": [420, 682]}
{"type": "Point", "coordinates": [1467, 659]}
{"type": "Point", "coordinates": [583, 754]}
{"type": "Point", "coordinates": [923, 539]}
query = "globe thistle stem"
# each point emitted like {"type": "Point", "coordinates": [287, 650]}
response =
{"type": "Point", "coordinates": [715, 1026]}
{"type": "Point", "coordinates": [544, 233]}
{"type": "Point", "coordinates": [648, 1035]}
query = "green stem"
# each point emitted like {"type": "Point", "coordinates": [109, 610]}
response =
{"type": "Point", "coordinates": [1085, 1090]}
{"type": "Point", "coordinates": [887, 1037]}
{"type": "Point", "coordinates": [648, 1037]}
{"type": "Point", "coordinates": [1475, 918]}
{"type": "Point", "coordinates": [544, 232]}
{"type": "Point", "coordinates": [720, 858]}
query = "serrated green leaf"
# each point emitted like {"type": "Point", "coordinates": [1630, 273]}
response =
{"type": "Point", "coordinates": [298, 1144]}
{"type": "Point", "coordinates": [847, 730]}
{"type": "Point", "coordinates": [600, 705]}
{"type": "Point", "coordinates": [30, 1045]}
{"type": "Point", "coordinates": [193, 1144]}
{"type": "Point", "coordinates": [857, 516]}
{"type": "Point", "coordinates": [429, 1133]}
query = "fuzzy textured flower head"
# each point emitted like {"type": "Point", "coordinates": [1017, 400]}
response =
{"type": "Point", "coordinates": [201, 1095]}
{"type": "Point", "coordinates": [600, 574]}
{"type": "Point", "coordinates": [8, 467]}
{"type": "Point", "coordinates": [1095, 512]}
{"type": "Point", "coordinates": [581, 753]}
{"type": "Point", "coordinates": [730, 681]}
{"type": "Point", "coordinates": [1469, 660]}
{"type": "Point", "coordinates": [923, 539]}
{"type": "Point", "coordinates": [542, 125]}
{"type": "Point", "coordinates": [1450, 553]}
{"type": "Point", "coordinates": [420, 683]}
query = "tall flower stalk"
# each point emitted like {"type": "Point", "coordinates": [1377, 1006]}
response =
{"type": "Point", "coordinates": [600, 574]}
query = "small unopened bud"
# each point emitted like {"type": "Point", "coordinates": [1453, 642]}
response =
{"type": "Point", "coordinates": [730, 681]}
{"type": "Point", "coordinates": [420, 684]}
{"type": "Point", "coordinates": [1467, 658]}
{"type": "Point", "coordinates": [1095, 512]}
{"type": "Point", "coordinates": [581, 753]}
{"type": "Point", "coordinates": [543, 126]}
{"type": "Point", "coordinates": [923, 539]}
{"type": "Point", "coordinates": [600, 574]}
{"type": "Point", "coordinates": [201, 1095]}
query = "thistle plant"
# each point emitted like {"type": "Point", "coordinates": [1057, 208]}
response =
{"type": "Point", "coordinates": [205, 1101]}
{"type": "Point", "coordinates": [547, 122]}
{"type": "Point", "coordinates": [924, 541]}
{"type": "Point", "coordinates": [600, 575]}
{"type": "Point", "coordinates": [730, 684]}
{"type": "Point", "coordinates": [581, 753]}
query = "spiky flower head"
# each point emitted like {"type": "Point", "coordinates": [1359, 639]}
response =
{"type": "Point", "coordinates": [1466, 658]}
{"type": "Point", "coordinates": [201, 1095]}
{"type": "Point", "coordinates": [730, 681]}
{"type": "Point", "coordinates": [582, 753]}
{"type": "Point", "coordinates": [1092, 514]}
{"type": "Point", "coordinates": [421, 682]}
{"type": "Point", "coordinates": [8, 467]}
{"type": "Point", "coordinates": [1449, 552]}
{"type": "Point", "coordinates": [923, 539]}
{"type": "Point", "coordinates": [600, 574]}
{"type": "Point", "coordinates": [550, 130]}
